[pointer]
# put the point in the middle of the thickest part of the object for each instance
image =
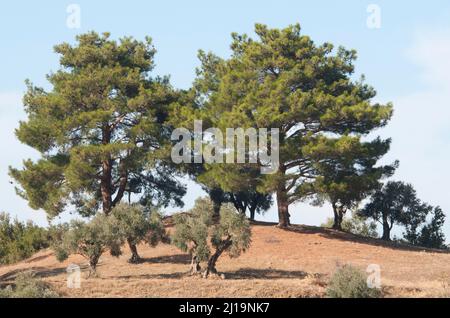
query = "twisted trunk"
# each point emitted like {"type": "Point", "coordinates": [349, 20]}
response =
{"type": "Point", "coordinates": [211, 267]}
{"type": "Point", "coordinates": [93, 261]}
{"type": "Point", "coordinates": [135, 258]}
{"type": "Point", "coordinates": [195, 265]}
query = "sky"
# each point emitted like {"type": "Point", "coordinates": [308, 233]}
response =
{"type": "Point", "coordinates": [405, 57]}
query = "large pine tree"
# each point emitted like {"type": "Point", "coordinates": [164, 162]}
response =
{"type": "Point", "coordinates": [284, 80]}
{"type": "Point", "coordinates": [101, 129]}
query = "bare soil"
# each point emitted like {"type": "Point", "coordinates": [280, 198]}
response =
{"type": "Point", "coordinates": [280, 263]}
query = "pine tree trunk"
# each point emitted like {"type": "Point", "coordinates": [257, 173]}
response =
{"type": "Point", "coordinates": [386, 229]}
{"type": "Point", "coordinates": [252, 214]}
{"type": "Point", "coordinates": [135, 258]}
{"type": "Point", "coordinates": [106, 179]}
{"type": "Point", "coordinates": [105, 187]}
{"type": "Point", "coordinates": [283, 208]}
{"type": "Point", "coordinates": [338, 217]}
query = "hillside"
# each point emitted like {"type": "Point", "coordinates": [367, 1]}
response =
{"type": "Point", "coordinates": [296, 263]}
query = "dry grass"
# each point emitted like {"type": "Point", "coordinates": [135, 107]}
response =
{"type": "Point", "coordinates": [295, 263]}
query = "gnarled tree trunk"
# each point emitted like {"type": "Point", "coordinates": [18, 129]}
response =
{"type": "Point", "coordinates": [195, 265]}
{"type": "Point", "coordinates": [211, 267]}
{"type": "Point", "coordinates": [93, 261]}
{"type": "Point", "coordinates": [135, 258]}
{"type": "Point", "coordinates": [283, 202]}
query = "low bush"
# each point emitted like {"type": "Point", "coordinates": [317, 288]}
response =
{"type": "Point", "coordinates": [26, 285]}
{"type": "Point", "coordinates": [356, 225]}
{"type": "Point", "coordinates": [19, 240]}
{"type": "Point", "coordinates": [349, 282]}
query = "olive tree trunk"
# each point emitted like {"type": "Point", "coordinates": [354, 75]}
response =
{"type": "Point", "coordinates": [211, 267]}
{"type": "Point", "coordinates": [135, 258]}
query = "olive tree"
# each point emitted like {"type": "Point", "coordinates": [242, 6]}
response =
{"type": "Point", "coordinates": [232, 235]}
{"type": "Point", "coordinates": [206, 238]}
{"type": "Point", "coordinates": [91, 240]}
{"type": "Point", "coordinates": [191, 232]}
{"type": "Point", "coordinates": [138, 225]}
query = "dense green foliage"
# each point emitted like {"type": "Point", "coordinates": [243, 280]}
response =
{"type": "Point", "coordinates": [349, 176]}
{"type": "Point", "coordinates": [20, 240]}
{"type": "Point", "coordinates": [284, 80]}
{"type": "Point", "coordinates": [101, 130]}
{"type": "Point", "coordinates": [428, 234]}
{"type": "Point", "coordinates": [397, 203]}
{"type": "Point", "coordinates": [26, 285]}
{"type": "Point", "coordinates": [206, 239]}
{"type": "Point", "coordinates": [349, 282]}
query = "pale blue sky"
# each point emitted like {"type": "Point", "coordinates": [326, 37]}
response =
{"type": "Point", "coordinates": [406, 60]}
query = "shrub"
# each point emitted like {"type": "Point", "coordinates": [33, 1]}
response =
{"type": "Point", "coordinates": [356, 225]}
{"type": "Point", "coordinates": [349, 282]}
{"type": "Point", "coordinates": [91, 240]}
{"type": "Point", "coordinates": [20, 240]}
{"type": "Point", "coordinates": [26, 285]}
{"type": "Point", "coordinates": [137, 225]}
{"type": "Point", "coordinates": [230, 234]}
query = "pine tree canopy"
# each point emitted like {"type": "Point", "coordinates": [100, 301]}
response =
{"type": "Point", "coordinates": [284, 80]}
{"type": "Point", "coordinates": [101, 129]}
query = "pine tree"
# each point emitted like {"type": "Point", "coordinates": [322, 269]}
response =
{"type": "Point", "coordinates": [349, 174]}
{"type": "Point", "coordinates": [284, 80]}
{"type": "Point", "coordinates": [101, 130]}
{"type": "Point", "coordinates": [395, 203]}
{"type": "Point", "coordinates": [427, 234]}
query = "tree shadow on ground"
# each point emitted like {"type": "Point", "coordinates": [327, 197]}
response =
{"type": "Point", "coordinates": [349, 237]}
{"type": "Point", "coordinates": [251, 273]}
{"type": "Point", "coordinates": [36, 259]}
{"type": "Point", "coordinates": [172, 259]}
{"type": "Point", "coordinates": [39, 272]}
{"type": "Point", "coordinates": [176, 275]}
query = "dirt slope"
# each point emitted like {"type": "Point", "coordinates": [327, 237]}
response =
{"type": "Point", "coordinates": [296, 263]}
